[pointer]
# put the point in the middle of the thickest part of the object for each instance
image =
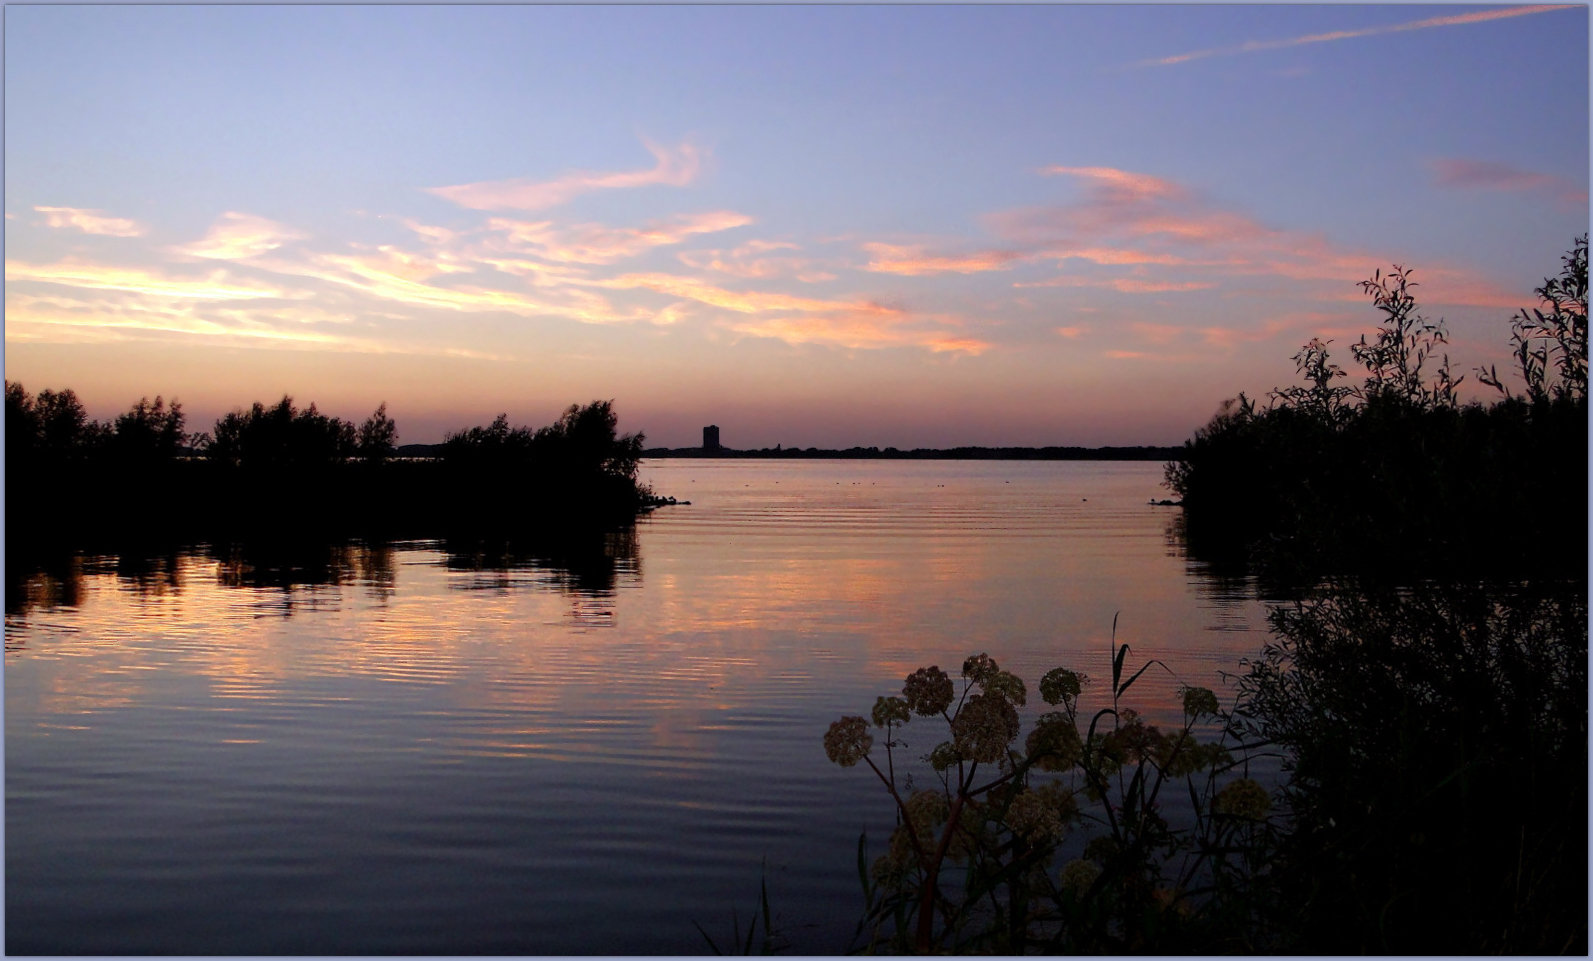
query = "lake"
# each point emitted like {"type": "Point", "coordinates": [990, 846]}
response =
{"type": "Point", "coordinates": [419, 748]}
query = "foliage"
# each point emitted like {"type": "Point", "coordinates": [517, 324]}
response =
{"type": "Point", "coordinates": [1437, 746]}
{"type": "Point", "coordinates": [281, 437]}
{"type": "Point", "coordinates": [376, 437]}
{"type": "Point", "coordinates": [1551, 349]}
{"type": "Point", "coordinates": [999, 813]}
{"type": "Point", "coordinates": [1395, 475]}
{"type": "Point", "coordinates": [149, 431]}
{"type": "Point", "coordinates": [584, 441]}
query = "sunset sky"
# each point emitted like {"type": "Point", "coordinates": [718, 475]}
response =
{"type": "Point", "coordinates": [814, 226]}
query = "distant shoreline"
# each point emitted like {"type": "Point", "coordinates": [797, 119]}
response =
{"type": "Point", "coordinates": [925, 453]}
{"type": "Point", "coordinates": [424, 451]}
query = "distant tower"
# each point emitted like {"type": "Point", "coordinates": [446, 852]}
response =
{"type": "Point", "coordinates": [710, 437]}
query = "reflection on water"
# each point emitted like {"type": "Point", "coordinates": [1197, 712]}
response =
{"type": "Point", "coordinates": [477, 747]}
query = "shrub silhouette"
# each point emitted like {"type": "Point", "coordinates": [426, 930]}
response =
{"type": "Point", "coordinates": [1394, 474]}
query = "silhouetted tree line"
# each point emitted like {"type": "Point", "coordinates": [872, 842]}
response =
{"type": "Point", "coordinates": [286, 472]}
{"type": "Point", "coordinates": [1394, 474]}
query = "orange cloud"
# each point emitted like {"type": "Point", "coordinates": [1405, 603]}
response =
{"type": "Point", "coordinates": [217, 286]}
{"type": "Point", "coordinates": [1446, 21]}
{"type": "Point", "coordinates": [748, 261]}
{"type": "Point", "coordinates": [675, 167]}
{"type": "Point", "coordinates": [913, 262]}
{"type": "Point", "coordinates": [597, 244]}
{"type": "Point", "coordinates": [858, 330]}
{"type": "Point", "coordinates": [238, 237]}
{"type": "Point", "coordinates": [90, 222]}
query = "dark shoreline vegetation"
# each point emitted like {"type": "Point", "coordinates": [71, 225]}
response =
{"type": "Point", "coordinates": [285, 474]}
{"type": "Point", "coordinates": [1425, 691]}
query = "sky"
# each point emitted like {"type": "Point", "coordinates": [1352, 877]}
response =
{"type": "Point", "coordinates": [910, 226]}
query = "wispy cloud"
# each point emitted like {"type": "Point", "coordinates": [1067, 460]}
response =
{"type": "Point", "coordinates": [1125, 285]}
{"type": "Point", "coordinates": [391, 278]}
{"type": "Point", "coordinates": [1489, 175]}
{"type": "Point", "coordinates": [1175, 240]}
{"type": "Point", "coordinates": [598, 244]}
{"type": "Point", "coordinates": [757, 259]}
{"type": "Point", "coordinates": [1430, 22]}
{"type": "Point", "coordinates": [90, 222]}
{"type": "Point", "coordinates": [216, 286]}
{"type": "Point", "coordinates": [1118, 185]}
{"type": "Point", "coordinates": [237, 236]}
{"type": "Point", "coordinates": [912, 261]}
{"type": "Point", "coordinates": [860, 330]}
{"type": "Point", "coordinates": [675, 167]}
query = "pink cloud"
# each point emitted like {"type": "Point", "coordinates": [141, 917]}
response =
{"type": "Point", "coordinates": [751, 260]}
{"type": "Point", "coordinates": [1489, 175]}
{"type": "Point", "coordinates": [913, 262]}
{"type": "Point", "coordinates": [675, 167]}
{"type": "Point", "coordinates": [1119, 185]}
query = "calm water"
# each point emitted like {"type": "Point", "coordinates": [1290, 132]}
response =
{"type": "Point", "coordinates": [415, 750]}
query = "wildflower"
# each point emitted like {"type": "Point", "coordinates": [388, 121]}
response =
{"type": "Point", "coordinates": [1061, 684]}
{"type": "Point", "coordinates": [928, 691]}
{"type": "Point", "coordinates": [943, 756]}
{"type": "Point", "coordinates": [1054, 743]}
{"type": "Point", "coordinates": [1033, 817]}
{"type": "Point", "coordinates": [1243, 798]}
{"type": "Point", "coordinates": [979, 668]}
{"type": "Point", "coordinates": [1005, 685]}
{"type": "Point", "coordinates": [848, 741]}
{"type": "Point", "coordinates": [984, 727]}
{"type": "Point", "coordinates": [1078, 875]}
{"type": "Point", "coordinates": [890, 710]}
{"type": "Point", "coordinates": [1134, 740]}
{"type": "Point", "coordinates": [1199, 701]}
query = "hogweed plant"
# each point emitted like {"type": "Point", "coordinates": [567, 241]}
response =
{"type": "Point", "coordinates": [976, 862]}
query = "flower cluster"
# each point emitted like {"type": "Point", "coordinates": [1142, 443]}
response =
{"type": "Point", "coordinates": [1199, 701]}
{"type": "Point", "coordinates": [1244, 799]}
{"type": "Point", "coordinates": [984, 727]}
{"type": "Point", "coordinates": [928, 691]}
{"type": "Point", "coordinates": [1061, 685]}
{"type": "Point", "coordinates": [1054, 743]}
{"type": "Point", "coordinates": [1040, 815]}
{"type": "Point", "coordinates": [890, 710]}
{"type": "Point", "coordinates": [848, 741]}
